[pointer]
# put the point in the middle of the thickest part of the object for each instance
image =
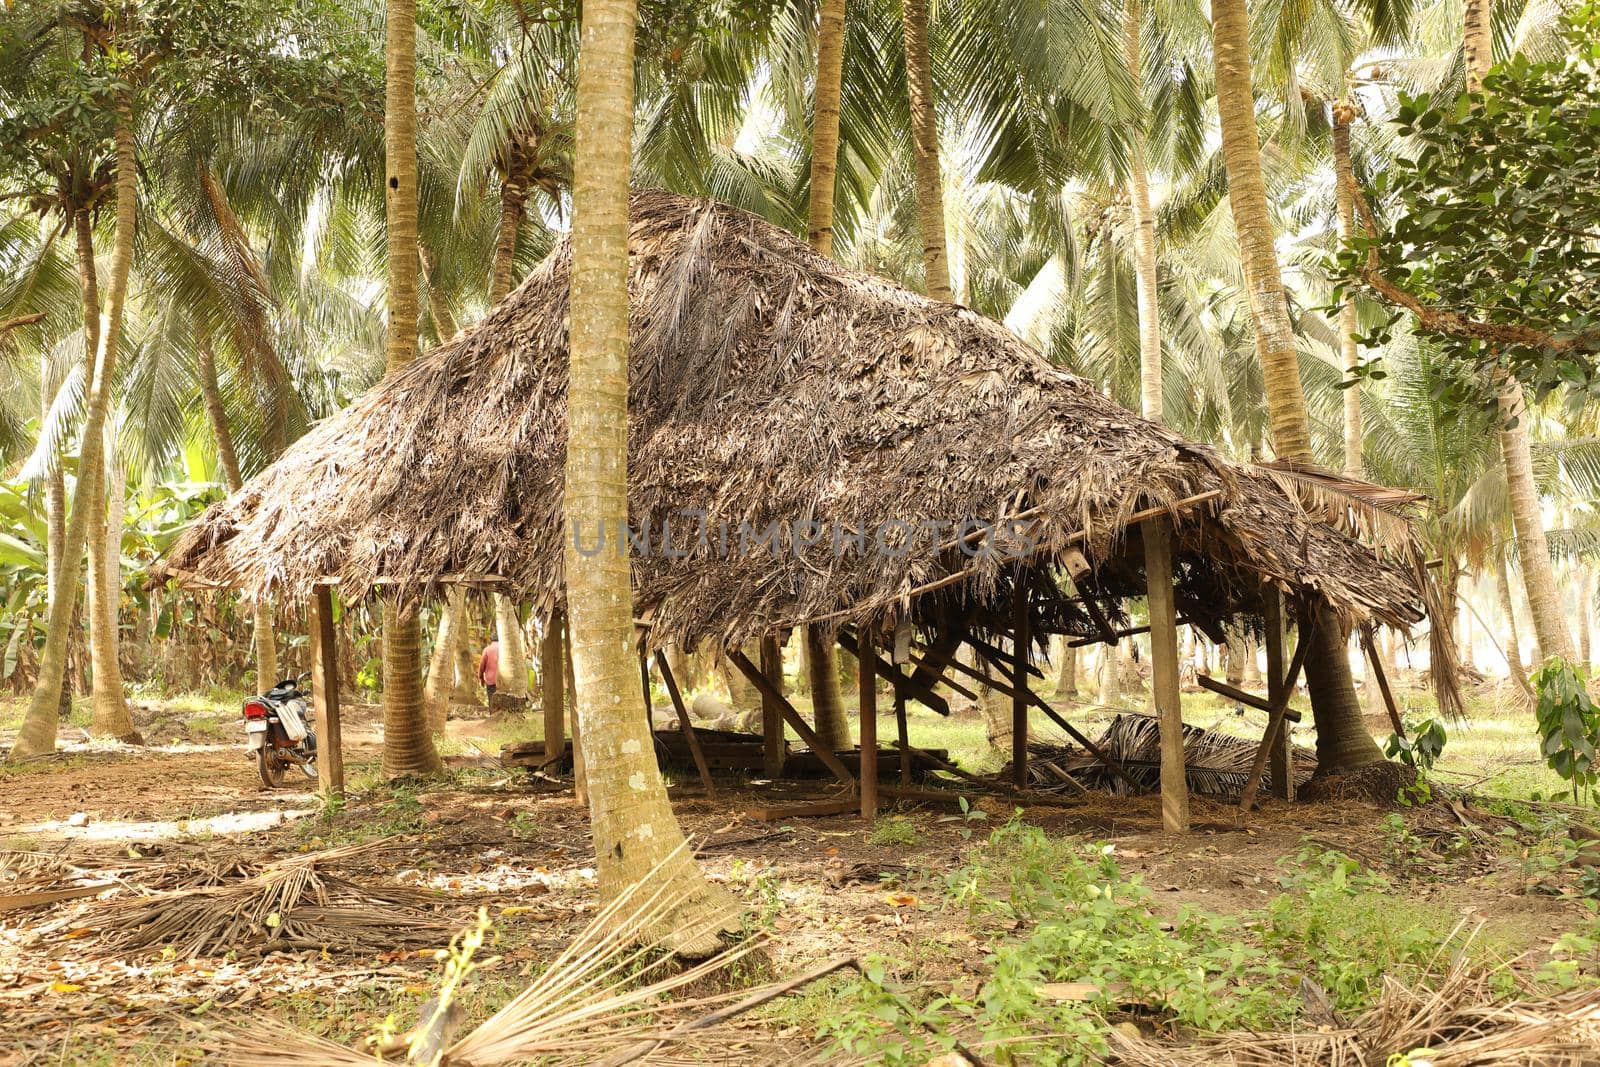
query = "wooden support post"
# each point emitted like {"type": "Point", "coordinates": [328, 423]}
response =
{"type": "Point", "coordinates": [1157, 535]}
{"type": "Point", "coordinates": [1378, 675]}
{"type": "Point", "coordinates": [905, 738]}
{"type": "Point", "coordinates": [325, 694]}
{"type": "Point", "coordinates": [769, 691]}
{"type": "Point", "coordinates": [772, 746]}
{"type": "Point", "coordinates": [1275, 720]}
{"type": "Point", "coordinates": [1019, 679]}
{"type": "Point", "coordinates": [1280, 751]}
{"type": "Point", "coordinates": [686, 724]}
{"type": "Point", "coordinates": [580, 771]}
{"type": "Point", "coordinates": [868, 679]}
{"type": "Point", "coordinates": [552, 687]}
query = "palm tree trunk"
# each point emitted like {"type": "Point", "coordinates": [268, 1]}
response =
{"type": "Point", "coordinates": [1341, 736]}
{"type": "Point", "coordinates": [1110, 676]}
{"type": "Point", "coordinates": [1144, 231]}
{"type": "Point", "coordinates": [1349, 348]}
{"type": "Point", "coordinates": [38, 733]}
{"type": "Point", "coordinates": [925, 147]}
{"type": "Point", "coordinates": [513, 201]}
{"type": "Point", "coordinates": [513, 648]}
{"type": "Point", "coordinates": [467, 651]}
{"type": "Point", "coordinates": [825, 125]}
{"type": "Point", "coordinates": [408, 749]}
{"type": "Point", "coordinates": [1502, 588]}
{"type": "Point", "coordinates": [109, 716]}
{"type": "Point", "coordinates": [1252, 220]}
{"type": "Point", "coordinates": [262, 622]}
{"type": "Point", "coordinates": [1585, 616]}
{"type": "Point", "coordinates": [408, 745]}
{"type": "Point", "coordinates": [442, 665]}
{"type": "Point", "coordinates": [1067, 674]}
{"type": "Point", "coordinates": [1533, 550]}
{"type": "Point", "coordinates": [821, 671]}
{"type": "Point", "coordinates": [634, 828]}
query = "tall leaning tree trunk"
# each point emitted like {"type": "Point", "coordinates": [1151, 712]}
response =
{"type": "Point", "coordinates": [925, 145]}
{"type": "Point", "coordinates": [1538, 576]}
{"type": "Point", "coordinates": [38, 734]}
{"type": "Point", "coordinates": [1344, 113]}
{"type": "Point", "coordinates": [821, 661]}
{"type": "Point", "coordinates": [266, 638]}
{"type": "Point", "coordinates": [634, 828]}
{"type": "Point", "coordinates": [1343, 742]}
{"type": "Point", "coordinates": [407, 743]}
{"type": "Point", "coordinates": [109, 716]}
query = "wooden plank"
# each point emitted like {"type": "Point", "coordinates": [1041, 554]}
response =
{"type": "Point", "coordinates": [1383, 680]}
{"type": "Point", "coordinates": [1247, 796]}
{"type": "Point", "coordinates": [779, 812]}
{"type": "Point", "coordinates": [325, 694]}
{"type": "Point", "coordinates": [769, 691]}
{"type": "Point", "coordinates": [1019, 679]}
{"type": "Point", "coordinates": [1164, 673]}
{"type": "Point", "coordinates": [904, 687]}
{"type": "Point", "coordinates": [686, 724]}
{"type": "Point", "coordinates": [552, 687]}
{"type": "Point", "coordinates": [18, 901]}
{"type": "Point", "coordinates": [1249, 700]}
{"type": "Point", "coordinates": [867, 678]}
{"type": "Point", "coordinates": [997, 658]}
{"type": "Point", "coordinates": [930, 671]}
{"type": "Point", "coordinates": [773, 746]}
{"type": "Point", "coordinates": [1092, 606]}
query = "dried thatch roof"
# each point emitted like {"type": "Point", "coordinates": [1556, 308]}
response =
{"type": "Point", "coordinates": [768, 384]}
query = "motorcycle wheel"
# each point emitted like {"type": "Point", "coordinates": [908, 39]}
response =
{"type": "Point", "coordinates": [271, 769]}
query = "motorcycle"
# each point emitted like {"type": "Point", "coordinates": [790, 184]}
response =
{"type": "Point", "coordinates": [277, 727]}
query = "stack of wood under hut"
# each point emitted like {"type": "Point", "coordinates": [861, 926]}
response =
{"type": "Point", "coordinates": [815, 447]}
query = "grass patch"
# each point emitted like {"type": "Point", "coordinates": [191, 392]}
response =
{"type": "Point", "coordinates": [1075, 943]}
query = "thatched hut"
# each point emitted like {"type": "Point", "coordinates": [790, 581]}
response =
{"type": "Point", "coordinates": [814, 437]}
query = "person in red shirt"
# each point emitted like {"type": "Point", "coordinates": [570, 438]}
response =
{"type": "Point", "coordinates": [489, 667]}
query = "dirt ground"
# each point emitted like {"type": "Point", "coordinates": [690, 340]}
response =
{"type": "Point", "coordinates": [517, 845]}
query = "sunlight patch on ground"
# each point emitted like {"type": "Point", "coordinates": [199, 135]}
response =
{"type": "Point", "coordinates": [226, 824]}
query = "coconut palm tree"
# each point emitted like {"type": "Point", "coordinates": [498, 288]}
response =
{"type": "Point", "coordinates": [634, 829]}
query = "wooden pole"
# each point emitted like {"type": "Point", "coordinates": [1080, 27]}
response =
{"type": "Point", "coordinates": [552, 685]}
{"type": "Point", "coordinates": [868, 679]}
{"type": "Point", "coordinates": [1275, 719]}
{"type": "Point", "coordinates": [1378, 675]}
{"type": "Point", "coordinates": [769, 691]}
{"type": "Point", "coordinates": [686, 724]}
{"type": "Point", "coordinates": [1157, 534]}
{"type": "Point", "coordinates": [905, 686]}
{"type": "Point", "coordinates": [325, 695]}
{"type": "Point", "coordinates": [772, 746]}
{"type": "Point", "coordinates": [1019, 680]}
{"type": "Point", "coordinates": [904, 733]}
{"type": "Point", "coordinates": [1279, 751]}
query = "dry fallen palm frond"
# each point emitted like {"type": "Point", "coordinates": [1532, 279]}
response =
{"type": "Point", "coordinates": [1216, 764]}
{"type": "Point", "coordinates": [292, 902]}
{"type": "Point", "coordinates": [1453, 1024]}
{"type": "Point", "coordinates": [605, 991]}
